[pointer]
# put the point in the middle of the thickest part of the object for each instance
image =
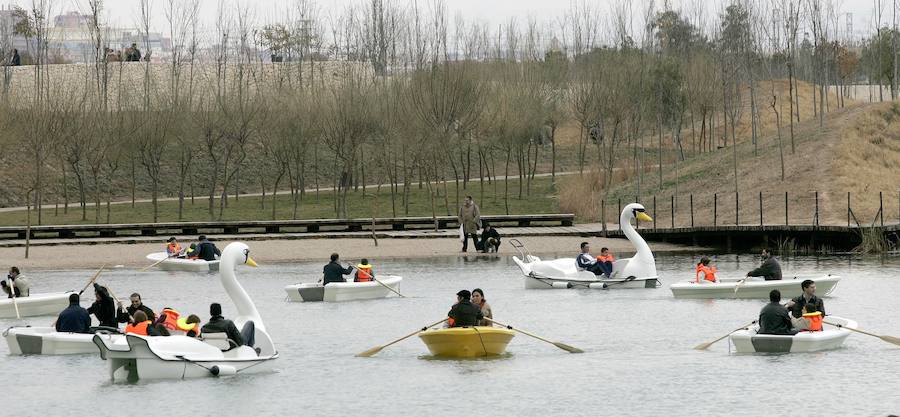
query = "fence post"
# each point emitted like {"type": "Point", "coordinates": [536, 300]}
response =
{"type": "Point", "coordinates": [655, 213]}
{"type": "Point", "coordinates": [760, 209]}
{"type": "Point", "coordinates": [817, 209]}
{"type": "Point", "coordinates": [620, 208]}
{"type": "Point", "coordinates": [673, 211]}
{"type": "Point", "coordinates": [715, 208]}
{"type": "Point", "coordinates": [848, 208]}
{"type": "Point", "coordinates": [603, 216]}
{"type": "Point", "coordinates": [881, 207]}
{"type": "Point", "coordinates": [786, 208]}
{"type": "Point", "coordinates": [692, 209]}
{"type": "Point", "coordinates": [737, 209]}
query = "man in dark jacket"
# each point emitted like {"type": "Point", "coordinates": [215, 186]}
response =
{"type": "Point", "coordinates": [808, 297]}
{"type": "Point", "coordinates": [104, 307]}
{"type": "Point", "coordinates": [774, 317]}
{"type": "Point", "coordinates": [770, 269]}
{"type": "Point", "coordinates": [74, 318]}
{"type": "Point", "coordinates": [206, 250]}
{"type": "Point", "coordinates": [490, 239]}
{"type": "Point", "coordinates": [126, 315]}
{"type": "Point", "coordinates": [219, 324]}
{"type": "Point", "coordinates": [334, 272]}
{"type": "Point", "coordinates": [464, 313]}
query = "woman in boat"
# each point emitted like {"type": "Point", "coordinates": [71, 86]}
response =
{"type": "Point", "coordinates": [479, 301]}
{"type": "Point", "coordinates": [19, 283]}
{"type": "Point", "coordinates": [104, 307]}
{"type": "Point", "coordinates": [705, 273]}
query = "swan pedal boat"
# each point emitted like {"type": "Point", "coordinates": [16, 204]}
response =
{"type": "Point", "coordinates": [183, 264]}
{"type": "Point", "coordinates": [27, 340]}
{"type": "Point", "coordinates": [638, 271]}
{"type": "Point", "coordinates": [750, 289]}
{"type": "Point", "coordinates": [47, 304]}
{"type": "Point", "coordinates": [467, 342]}
{"type": "Point", "coordinates": [831, 337]}
{"type": "Point", "coordinates": [344, 291]}
{"type": "Point", "coordinates": [135, 357]}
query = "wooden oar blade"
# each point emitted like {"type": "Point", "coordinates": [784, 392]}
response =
{"type": "Point", "coordinates": [703, 346]}
{"type": "Point", "coordinates": [570, 349]}
{"type": "Point", "coordinates": [890, 339]}
{"type": "Point", "coordinates": [369, 353]}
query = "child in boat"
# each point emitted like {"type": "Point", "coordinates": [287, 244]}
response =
{"type": "Point", "coordinates": [364, 271]}
{"type": "Point", "coordinates": [810, 321]}
{"type": "Point", "coordinates": [605, 261]}
{"type": "Point", "coordinates": [705, 272]}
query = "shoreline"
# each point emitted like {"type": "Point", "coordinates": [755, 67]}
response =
{"type": "Point", "coordinates": [133, 256]}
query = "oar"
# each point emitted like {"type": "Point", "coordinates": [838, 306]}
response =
{"type": "Point", "coordinates": [12, 292]}
{"type": "Point", "coordinates": [93, 278]}
{"type": "Point", "coordinates": [157, 262]}
{"type": "Point", "coordinates": [704, 346]}
{"type": "Point", "coordinates": [376, 349]}
{"type": "Point", "coordinates": [563, 346]}
{"type": "Point", "coordinates": [889, 339]}
{"type": "Point", "coordinates": [738, 286]}
{"type": "Point", "coordinates": [386, 286]}
{"type": "Point", "coordinates": [118, 302]}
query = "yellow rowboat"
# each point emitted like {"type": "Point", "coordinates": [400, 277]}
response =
{"type": "Point", "coordinates": [467, 342]}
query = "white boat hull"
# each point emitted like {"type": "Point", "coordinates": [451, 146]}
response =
{"type": "Point", "coordinates": [748, 341]}
{"type": "Point", "coordinates": [344, 291]}
{"type": "Point", "coordinates": [561, 273]}
{"type": "Point", "coordinates": [182, 264]}
{"type": "Point", "coordinates": [132, 358]}
{"type": "Point", "coordinates": [48, 304]}
{"type": "Point", "coordinates": [47, 341]}
{"type": "Point", "coordinates": [751, 289]}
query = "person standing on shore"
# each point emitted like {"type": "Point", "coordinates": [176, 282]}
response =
{"type": "Point", "coordinates": [469, 217]}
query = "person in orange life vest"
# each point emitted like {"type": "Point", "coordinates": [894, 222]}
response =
{"type": "Point", "coordinates": [173, 249]}
{"type": "Point", "coordinates": [810, 321]}
{"type": "Point", "coordinates": [364, 271]}
{"type": "Point", "coordinates": [168, 318]}
{"type": "Point", "coordinates": [142, 325]}
{"type": "Point", "coordinates": [191, 252]}
{"type": "Point", "coordinates": [190, 325]}
{"type": "Point", "coordinates": [605, 261]}
{"type": "Point", "coordinates": [705, 272]}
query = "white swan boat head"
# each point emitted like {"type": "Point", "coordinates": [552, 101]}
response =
{"type": "Point", "coordinates": [174, 357]}
{"type": "Point", "coordinates": [639, 271]}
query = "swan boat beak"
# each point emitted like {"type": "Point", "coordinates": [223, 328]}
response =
{"type": "Point", "coordinates": [644, 217]}
{"type": "Point", "coordinates": [250, 262]}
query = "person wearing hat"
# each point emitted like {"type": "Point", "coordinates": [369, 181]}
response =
{"type": "Point", "coordinates": [219, 324]}
{"type": "Point", "coordinates": [464, 313]}
{"type": "Point", "coordinates": [206, 250]}
{"type": "Point", "coordinates": [490, 239]}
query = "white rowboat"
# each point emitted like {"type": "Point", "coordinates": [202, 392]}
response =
{"type": "Point", "coordinates": [47, 341]}
{"type": "Point", "coordinates": [751, 289]}
{"type": "Point", "coordinates": [344, 291]}
{"type": "Point", "coordinates": [748, 341]}
{"type": "Point", "coordinates": [48, 304]}
{"type": "Point", "coordinates": [182, 264]}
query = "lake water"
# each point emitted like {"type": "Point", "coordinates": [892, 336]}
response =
{"type": "Point", "coordinates": [639, 358]}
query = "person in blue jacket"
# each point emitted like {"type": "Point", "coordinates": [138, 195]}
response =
{"type": "Point", "coordinates": [74, 318]}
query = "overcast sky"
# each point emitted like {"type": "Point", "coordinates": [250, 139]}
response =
{"type": "Point", "coordinates": [494, 12]}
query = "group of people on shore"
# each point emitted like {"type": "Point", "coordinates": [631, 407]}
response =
{"type": "Point", "coordinates": [142, 320]}
{"type": "Point", "coordinates": [203, 249]}
{"type": "Point", "coordinates": [470, 221]}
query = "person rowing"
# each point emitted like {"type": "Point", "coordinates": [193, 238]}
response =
{"type": "Point", "coordinates": [808, 296]}
{"type": "Point", "coordinates": [173, 249]}
{"type": "Point", "coordinates": [206, 250]}
{"type": "Point", "coordinates": [104, 307]}
{"type": "Point", "coordinates": [20, 285]}
{"type": "Point", "coordinates": [334, 272]}
{"type": "Point", "coordinates": [774, 317]}
{"type": "Point", "coordinates": [770, 269]}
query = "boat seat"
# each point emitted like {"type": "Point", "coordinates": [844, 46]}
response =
{"type": "Point", "coordinates": [218, 340]}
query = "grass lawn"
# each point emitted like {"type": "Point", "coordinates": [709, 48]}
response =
{"type": "Point", "coordinates": [542, 200]}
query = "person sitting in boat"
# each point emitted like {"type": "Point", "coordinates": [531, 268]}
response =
{"type": "Point", "coordinates": [173, 249]}
{"type": "Point", "coordinates": [364, 271]}
{"type": "Point", "coordinates": [586, 262]}
{"type": "Point", "coordinates": [74, 318]}
{"type": "Point", "coordinates": [464, 313]}
{"type": "Point", "coordinates": [21, 287]}
{"type": "Point", "coordinates": [334, 272]}
{"type": "Point", "coordinates": [705, 273]}
{"type": "Point", "coordinates": [490, 239]}
{"type": "Point", "coordinates": [479, 301]}
{"type": "Point", "coordinates": [168, 318]}
{"type": "Point", "coordinates": [810, 321]}
{"type": "Point", "coordinates": [125, 315]}
{"type": "Point", "coordinates": [142, 325]}
{"type": "Point", "coordinates": [191, 252]}
{"type": "Point", "coordinates": [190, 325]}
{"type": "Point", "coordinates": [774, 317]}
{"type": "Point", "coordinates": [206, 250]}
{"type": "Point", "coordinates": [218, 324]}
{"type": "Point", "coordinates": [605, 261]}
{"type": "Point", "coordinates": [770, 269]}
{"type": "Point", "coordinates": [807, 297]}
{"type": "Point", "coordinates": [104, 307]}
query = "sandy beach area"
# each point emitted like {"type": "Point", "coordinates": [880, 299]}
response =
{"type": "Point", "coordinates": [133, 255]}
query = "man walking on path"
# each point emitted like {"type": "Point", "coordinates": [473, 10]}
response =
{"type": "Point", "coordinates": [469, 218]}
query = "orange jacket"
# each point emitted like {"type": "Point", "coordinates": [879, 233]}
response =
{"type": "Point", "coordinates": [140, 328]}
{"type": "Point", "coordinates": [363, 273]}
{"type": "Point", "coordinates": [709, 271]}
{"type": "Point", "coordinates": [815, 321]}
{"type": "Point", "coordinates": [172, 316]}
{"type": "Point", "coordinates": [173, 248]}
{"type": "Point", "coordinates": [606, 258]}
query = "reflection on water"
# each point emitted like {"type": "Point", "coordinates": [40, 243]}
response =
{"type": "Point", "coordinates": [638, 358]}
